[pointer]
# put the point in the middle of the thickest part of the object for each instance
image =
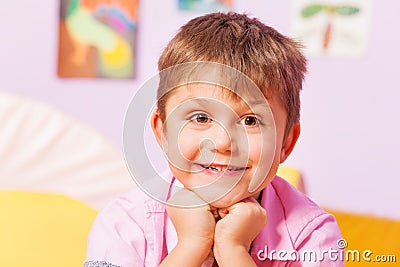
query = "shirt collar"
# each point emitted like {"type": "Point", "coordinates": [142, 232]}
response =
{"type": "Point", "coordinates": [275, 236]}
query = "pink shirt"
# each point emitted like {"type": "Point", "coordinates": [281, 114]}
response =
{"type": "Point", "coordinates": [134, 230]}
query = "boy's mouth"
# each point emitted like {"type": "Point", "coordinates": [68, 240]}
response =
{"type": "Point", "coordinates": [223, 168]}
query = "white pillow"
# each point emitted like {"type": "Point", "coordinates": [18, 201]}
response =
{"type": "Point", "coordinates": [43, 149]}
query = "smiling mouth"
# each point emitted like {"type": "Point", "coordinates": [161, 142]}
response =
{"type": "Point", "coordinates": [223, 168]}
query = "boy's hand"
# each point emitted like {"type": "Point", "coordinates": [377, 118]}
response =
{"type": "Point", "coordinates": [194, 226]}
{"type": "Point", "coordinates": [238, 227]}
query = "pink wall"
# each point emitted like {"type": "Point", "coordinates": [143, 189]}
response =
{"type": "Point", "coordinates": [349, 146]}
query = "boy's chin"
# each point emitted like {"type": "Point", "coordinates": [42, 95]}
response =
{"type": "Point", "coordinates": [216, 198]}
{"type": "Point", "coordinates": [225, 202]}
{"type": "Point", "coordinates": [229, 200]}
{"type": "Point", "coordinates": [219, 205]}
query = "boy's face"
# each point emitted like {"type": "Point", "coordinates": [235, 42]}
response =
{"type": "Point", "coordinates": [221, 147]}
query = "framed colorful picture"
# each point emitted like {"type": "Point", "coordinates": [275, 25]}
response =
{"type": "Point", "coordinates": [97, 38]}
{"type": "Point", "coordinates": [327, 27]}
{"type": "Point", "coordinates": [205, 5]}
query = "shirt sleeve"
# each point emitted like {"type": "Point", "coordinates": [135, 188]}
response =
{"type": "Point", "coordinates": [116, 237]}
{"type": "Point", "coordinates": [320, 244]}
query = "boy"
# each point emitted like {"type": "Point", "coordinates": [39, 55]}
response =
{"type": "Point", "coordinates": [227, 115]}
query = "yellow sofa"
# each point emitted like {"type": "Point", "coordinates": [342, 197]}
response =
{"type": "Point", "coordinates": [42, 229]}
{"type": "Point", "coordinates": [370, 240]}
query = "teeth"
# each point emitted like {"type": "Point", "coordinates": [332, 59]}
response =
{"type": "Point", "coordinates": [220, 169]}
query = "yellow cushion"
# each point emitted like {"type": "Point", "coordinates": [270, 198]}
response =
{"type": "Point", "coordinates": [362, 232]}
{"type": "Point", "coordinates": [293, 176]}
{"type": "Point", "coordinates": [41, 229]}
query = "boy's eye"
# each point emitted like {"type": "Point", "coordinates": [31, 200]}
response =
{"type": "Point", "coordinates": [250, 121]}
{"type": "Point", "coordinates": [201, 118]}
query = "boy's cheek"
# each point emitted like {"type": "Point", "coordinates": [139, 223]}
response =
{"type": "Point", "coordinates": [264, 160]}
{"type": "Point", "coordinates": [194, 146]}
{"type": "Point", "coordinates": [181, 150]}
{"type": "Point", "coordinates": [187, 145]}
{"type": "Point", "coordinates": [260, 151]}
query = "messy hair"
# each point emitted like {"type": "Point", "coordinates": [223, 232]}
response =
{"type": "Point", "coordinates": [271, 60]}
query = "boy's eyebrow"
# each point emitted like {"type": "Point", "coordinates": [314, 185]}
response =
{"type": "Point", "coordinates": [197, 102]}
{"type": "Point", "coordinates": [257, 102]}
{"type": "Point", "coordinates": [205, 101]}
{"type": "Point", "coordinates": [200, 101]}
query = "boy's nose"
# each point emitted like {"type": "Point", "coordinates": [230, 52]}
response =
{"type": "Point", "coordinates": [223, 140]}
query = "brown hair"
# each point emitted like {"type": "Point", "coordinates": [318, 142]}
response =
{"type": "Point", "coordinates": [271, 60]}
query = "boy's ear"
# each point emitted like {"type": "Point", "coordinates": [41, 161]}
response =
{"type": "Point", "coordinates": [290, 142]}
{"type": "Point", "coordinates": [157, 126]}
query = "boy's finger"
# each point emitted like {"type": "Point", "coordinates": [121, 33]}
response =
{"type": "Point", "coordinates": [223, 212]}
